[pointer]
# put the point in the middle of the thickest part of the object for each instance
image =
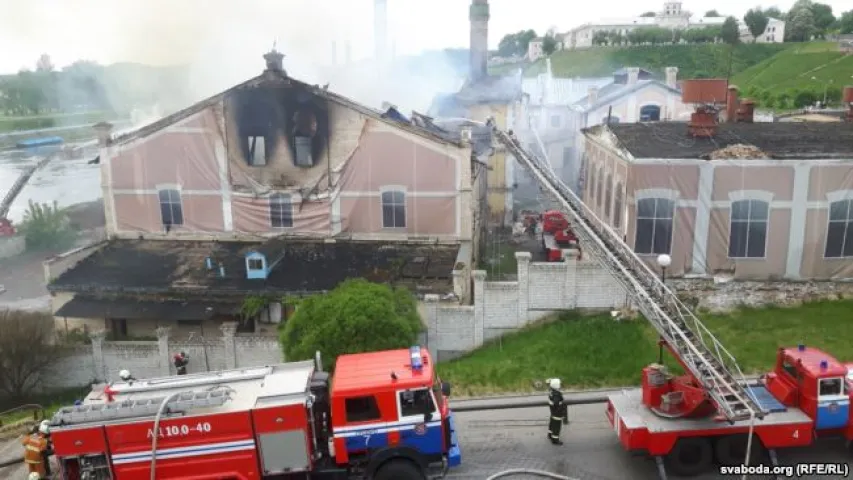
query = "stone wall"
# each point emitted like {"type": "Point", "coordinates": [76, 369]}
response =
{"type": "Point", "coordinates": [502, 307]}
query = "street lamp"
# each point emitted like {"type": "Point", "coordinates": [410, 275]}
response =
{"type": "Point", "coordinates": [664, 261]}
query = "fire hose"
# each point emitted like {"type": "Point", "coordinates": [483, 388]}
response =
{"type": "Point", "coordinates": [527, 471]}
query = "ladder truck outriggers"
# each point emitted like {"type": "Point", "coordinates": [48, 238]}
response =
{"type": "Point", "coordinates": [711, 414]}
{"type": "Point", "coordinates": [384, 416]}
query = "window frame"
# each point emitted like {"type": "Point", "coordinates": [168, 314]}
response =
{"type": "Point", "coordinates": [260, 263]}
{"type": "Point", "coordinates": [416, 416]}
{"type": "Point", "coordinates": [251, 144]}
{"type": "Point", "coordinates": [599, 188]}
{"type": "Point", "coordinates": [275, 204]}
{"type": "Point", "coordinates": [831, 396]}
{"type": "Point", "coordinates": [848, 223]}
{"type": "Point", "coordinates": [171, 205]}
{"type": "Point", "coordinates": [393, 205]}
{"type": "Point", "coordinates": [749, 222]}
{"type": "Point", "coordinates": [618, 205]}
{"type": "Point", "coordinates": [373, 411]}
{"type": "Point", "coordinates": [650, 105]}
{"type": "Point", "coordinates": [608, 195]}
{"type": "Point", "coordinates": [655, 219]}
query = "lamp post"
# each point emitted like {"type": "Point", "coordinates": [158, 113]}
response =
{"type": "Point", "coordinates": [825, 89]}
{"type": "Point", "coordinates": [664, 261]}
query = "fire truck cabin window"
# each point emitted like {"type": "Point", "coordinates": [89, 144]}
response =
{"type": "Point", "coordinates": [830, 387]}
{"type": "Point", "coordinates": [362, 409]}
{"type": "Point", "coordinates": [792, 371]}
{"type": "Point", "coordinates": [415, 402]}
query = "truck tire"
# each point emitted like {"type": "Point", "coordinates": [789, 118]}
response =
{"type": "Point", "coordinates": [731, 450]}
{"type": "Point", "coordinates": [690, 456]}
{"type": "Point", "coordinates": [399, 469]}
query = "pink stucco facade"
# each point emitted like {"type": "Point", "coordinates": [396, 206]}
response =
{"type": "Point", "coordinates": [789, 237]}
{"type": "Point", "coordinates": [374, 181]}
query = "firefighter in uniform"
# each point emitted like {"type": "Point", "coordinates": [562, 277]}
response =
{"type": "Point", "coordinates": [37, 451]}
{"type": "Point", "coordinates": [181, 361]}
{"type": "Point", "coordinates": [559, 414]}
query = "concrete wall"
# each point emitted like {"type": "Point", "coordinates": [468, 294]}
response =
{"type": "Point", "coordinates": [503, 307]}
{"type": "Point", "coordinates": [12, 246]}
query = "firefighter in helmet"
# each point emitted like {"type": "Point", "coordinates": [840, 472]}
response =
{"type": "Point", "coordinates": [181, 361]}
{"type": "Point", "coordinates": [559, 414]}
{"type": "Point", "coordinates": [37, 451]}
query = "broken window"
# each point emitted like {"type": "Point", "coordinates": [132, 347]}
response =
{"type": "Point", "coordinates": [257, 151]}
{"type": "Point", "coordinates": [171, 211]}
{"type": "Point", "coordinates": [281, 211]}
{"type": "Point", "coordinates": [394, 209]}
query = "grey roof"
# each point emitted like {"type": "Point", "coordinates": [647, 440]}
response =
{"type": "Point", "coordinates": [614, 91]}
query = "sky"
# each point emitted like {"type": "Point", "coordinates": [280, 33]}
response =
{"type": "Point", "coordinates": [162, 32]}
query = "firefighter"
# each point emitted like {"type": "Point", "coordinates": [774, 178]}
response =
{"type": "Point", "coordinates": [558, 411]}
{"type": "Point", "coordinates": [181, 361]}
{"type": "Point", "coordinates": [37, 451]}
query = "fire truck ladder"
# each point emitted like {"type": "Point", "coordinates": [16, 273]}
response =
{"type": "Point", "coordinates": [138, 408]}
{"type": "Point", "coordinates": [698, 349]}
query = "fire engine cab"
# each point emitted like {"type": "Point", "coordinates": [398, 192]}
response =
{"type": "Point", "coordinates": [383, 416]}
{"type": "Point", "coordinates": [557, 235]}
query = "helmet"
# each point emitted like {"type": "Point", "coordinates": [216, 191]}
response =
{"type": "Point", "coordinates": [177, 356]}
{"type": "Point", "coordinates": [554, 383]}
{"type": "Point", "coordinates": [124, 374]}
{"type": "Point", "coordinates": [34, 476]}
{"type": "Point", "coordinates": [44, 428]}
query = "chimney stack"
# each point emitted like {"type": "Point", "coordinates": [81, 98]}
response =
{"type": "Point", "coordinates": [732, 104]}
{"type": "Point", "coordinates": [593, 94]}
{"type": "Point", "coordinates": [705, 95]}
{"type": "Point", "coordinates": [478, 15]}
{"type": "Point", "coordinates": [847, 100]}
{"type": "Point", "coordinates": [672, 77]}
{"type": "Point", "coordinates": [274, 61]}
{"type": "Point", "coordinates": [746, 111]}
{"type": "Point", "coordinates": [633, 75]}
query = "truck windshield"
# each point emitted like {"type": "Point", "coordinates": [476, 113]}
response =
{"type": "Point", "coordinates": [830, 387]}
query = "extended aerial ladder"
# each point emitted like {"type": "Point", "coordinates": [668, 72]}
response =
{"type": "Point", "coordinates": [687, 337]}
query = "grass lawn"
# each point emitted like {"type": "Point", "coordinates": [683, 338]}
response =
{"type": "Point", "coordinates": [34, 122]}
{"type": "Point", "coordinates": [794, 68]}
{"type": "Point", "coordinates": [595, 351]}
{"type": "Point", "coordinates": [50, 401]}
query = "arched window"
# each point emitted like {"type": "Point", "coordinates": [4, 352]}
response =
{"type": "Point", "coordinates": [599, 188]}
{"type": "Point", "coordinates": [839, 231]}
{"type": "Point", "coordinates": [650, 113]}
{"type": "Point", "coordinates": [171, 209]}
{"type": "Point", "coordinates": [654, 226]}
{"type": "Point", "coordinates": [608, 196]}
{"type": "Point", "coordinates": [394, 209]}
{"type": "Point", "coordinates": [748, 231]}
{"type": "Point", "coordinates": [281, 211]}
{"type": "Point", "coordinates": [617, 206]}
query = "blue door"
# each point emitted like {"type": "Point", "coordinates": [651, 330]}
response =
{"type": "Point", "coordinates": [833, 404]}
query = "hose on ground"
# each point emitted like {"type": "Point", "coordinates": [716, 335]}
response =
{"type": "Point", "coordinates": [527, 471]}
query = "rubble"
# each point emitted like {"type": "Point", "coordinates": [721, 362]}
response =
{"type": "Point", "coordinates": [739, 151]}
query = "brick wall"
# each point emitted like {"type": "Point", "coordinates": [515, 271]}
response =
{"type": "Point", "coordinates": [503, 307]}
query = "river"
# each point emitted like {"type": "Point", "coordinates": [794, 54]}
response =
{"type": "Point", "coordinates": [67, 182]}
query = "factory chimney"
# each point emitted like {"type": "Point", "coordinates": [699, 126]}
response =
{"type": "Point", "coordinates": [478, 14]}
{"type": "Point", "coordinates": [380, 29]}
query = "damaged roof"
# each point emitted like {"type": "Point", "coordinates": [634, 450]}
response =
{"type": "Point", "coordinates": [783, 140]}
{"type": "Point", "coordinates": [280, 79]}
{"type": "Point", "coordinates": [487, 90]}
{"type": "Point", "coordinates": [179, 266]}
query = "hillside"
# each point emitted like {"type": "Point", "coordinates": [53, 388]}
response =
{"type": "Point", "coordinates": [792, 70]}
{"type": "Point", "coordinates": [693, 61]}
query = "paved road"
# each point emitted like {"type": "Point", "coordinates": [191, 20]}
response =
{"type": "Point", "coordinates": [497, 440]}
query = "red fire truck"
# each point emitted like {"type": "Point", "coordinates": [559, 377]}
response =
{"type": "Point", "coordinates": [384, 416]}
{"type": "Point", "coordinates": [672, 419]}
{"type": "Point", "coordinates": [557, 235]}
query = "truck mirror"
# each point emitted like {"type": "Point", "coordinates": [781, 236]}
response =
{"type": "Point", "coordinates": [445, 389]}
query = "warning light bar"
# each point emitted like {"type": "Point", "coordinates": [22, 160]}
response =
{"type": "Point", "coordinates": [417, 361]}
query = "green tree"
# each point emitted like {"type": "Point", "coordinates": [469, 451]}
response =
{"type": "Point", "coordinates": [845, 23]}
{"type": "Point", "coordinates": [774, 12]}
{"type": "Point", "coordinates": [549, 44]}
{"type": "Point", "coordinates": [648, 14]}
{"type": "Point", "coordinates": [824, 19]}
{"type": "Point", "coordinates": [712, 13]}
{"type": "Point", "coordinates": [28, 354]}
{"type": "Point", "coordinates": [801, 23]}
{"type": "Point", "coordinates": [729, 32]}
{"type": "Point", "coordinates": [46, 227]}
{"type": "Point", "coordinates": [757, 22]}
{"type": "Point", "coordinates": [357, 316]}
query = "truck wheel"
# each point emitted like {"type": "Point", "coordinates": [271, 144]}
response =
{"type": "Point", "coordinates": [731, 450]}
{"type": "Point", "coordinates": [399, 470]}
{"type": "Point", "coordinates": [690, 456]}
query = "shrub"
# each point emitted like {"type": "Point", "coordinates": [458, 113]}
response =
{"type": "Point", "coordinates": [357, 316]}
{"type": "Point", "coordinates": [46, 227]}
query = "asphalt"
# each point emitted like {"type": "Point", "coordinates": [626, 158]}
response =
{"type": "Point", "coordinates": [497, 440]}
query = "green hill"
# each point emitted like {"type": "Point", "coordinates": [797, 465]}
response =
{"type": "Point", "coordinates": [785, 80]}
{"type": "Point", "coordinates": [693, 61]}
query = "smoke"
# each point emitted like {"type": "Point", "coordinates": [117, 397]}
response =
{"type": "Point", "coordinates": [221, 42]}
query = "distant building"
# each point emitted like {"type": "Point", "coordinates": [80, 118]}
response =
{"type": "Point", "coordinates": [536, 48]}
{"type": "Point", "coordinates": [671, 17]}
